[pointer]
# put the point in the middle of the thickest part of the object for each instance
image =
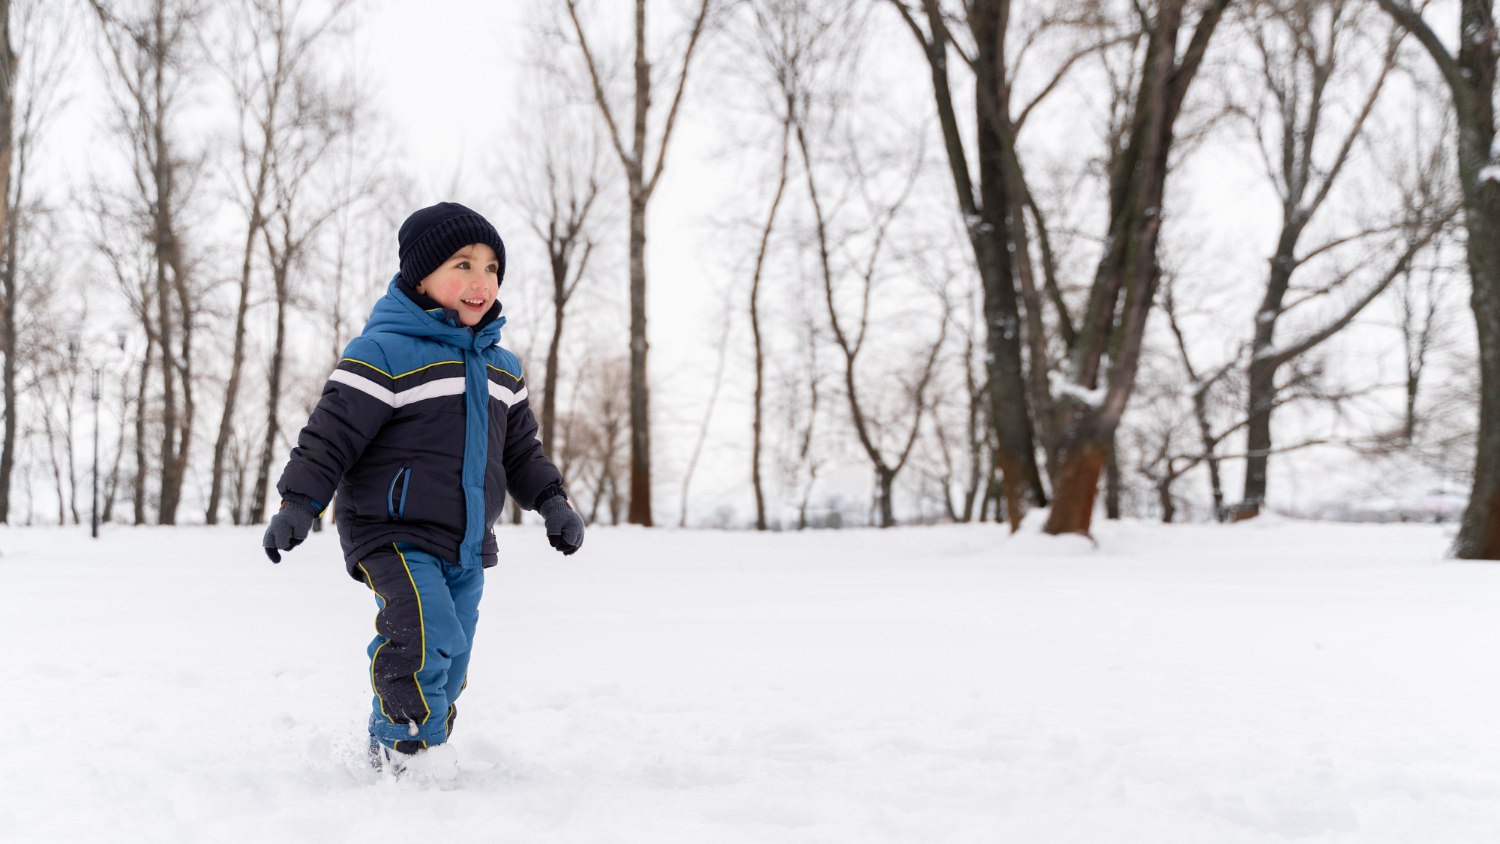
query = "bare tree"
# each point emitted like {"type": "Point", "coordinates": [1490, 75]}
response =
{"type": "Point", "coordinates": [801, 388]}
{"type": "Point", "coordinates": [599, 460]}
{"type": "Point", "coordinates": [267, 64]}
{"type": "Point", "coordinates": [961, 456]}
{"type": "Point", "coordinates": [1307, 52]}
{"type": "Point", "coordinates": [781, 55]}
{"type": "Point", "coordinates": [32, 65]}
{"type": "Point", "coordinates": [149, 50]}
{"type": "Point", "coordinates": [1114, 321]}
{"type": "Point", "coordinates": [59, 422]}
{"type": "Point", "coordinates": [850, 338]}
{"type": "Point", "coordinates": [558, 189]}
{"type": "Point", "coordinates": [993, 207]}
{"type": "Point", "coordinates": [1200, 390]}
{"type": "Point", "coordinates": [112, 478]}
{"type": "Point", "coordinates": [1152, 436]}
{"type": "Point", "coordinates": [131, 263]}
{"type": "Point", "coordinates": [1471, 78]}
{"type": "Point", "coordinates": [1420, 293]}
{"type": "Point", "coordinates": [641, 183]}
{"type": "Point", "coordinates": [721, 358]}
{"type": "Point", "coordinates": [361, 170]}
{"type": "Point", "coordinates": [7, 304]}
{"type": "Point", "coordinates": [298, 212]}
{"type": "Point", "coordinates": [783, 44]}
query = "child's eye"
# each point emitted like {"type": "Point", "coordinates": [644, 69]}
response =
{"type": "Point", "coordinates": [462, 265]}
{"type": "Point", "coordinates": [493, 268]}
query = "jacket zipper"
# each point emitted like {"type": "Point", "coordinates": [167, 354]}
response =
{"type": "Point", "coordinates": [395, 508]}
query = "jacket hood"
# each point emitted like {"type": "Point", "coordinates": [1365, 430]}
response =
{"type": "Point", "coordinates": [396, 313]}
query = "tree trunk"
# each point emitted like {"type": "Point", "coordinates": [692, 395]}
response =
{"type": "Point", "coordinates": [68, 447]}
{"type": "Point", "coordinates": [1112, 483]}
{"type": "Point", "coordinates": [993, 241]}
{"type": "Point", "coordinates": [1077, 485]}
{"type": "Point", "coordinates": [237, 358]}
{"type": "Point", "coordinates": [1479, 168]}
{"type": "Point", "coordinates": [1479, 533]}
{"type": "Point", "coordinates": [112, 486]}
{"type": "Point", "coordinates": [231, 390]}
{"type": "Point", "coordinates": [8, 344]}
{"type": "Point", "coordinates": [1126, 281]}
{"type": "Point", "coordinates": [49, 429]}
{"type": "Point", "coordinates": [599, 491]}
{"type": "Point", "coordinates": [139, 490]}
{"type": "Point", "coordinates": [170, 477]}
{"type": "Point", "coordinates": [273, 403]}
{"type": "Point", "coordinates": [640, 189]}
{"type": "Point", "coordinates": [757, 422]}
{"type": "Point", "coordinates": [640, 387]}
{"type": "Point", "coordinates": [885, 481]}
{"type": "Point", "coordinates": [1258, 436]}
{"type": "Point", "coordinates": [554, 354]}
{"type": "Point", "coordinates": [163, 243]}
{"type": "Point", "coordinates": [189, 414]}
{"type": "Point", "coordinates": [989, 224]}
{"type": "Point", "coordinates": [640, 392]}
{"type": "Point", "coordinates": [1264, 363]}
{"type": "Point", "coordinates": [8, 313]}
{"type": "Point", "coordinates": [1164, 494]}
{"type": "Point", "coordinates": [1216, 487]}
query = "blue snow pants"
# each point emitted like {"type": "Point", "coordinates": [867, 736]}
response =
{"type": "Point", "coordinates": [419, 658]}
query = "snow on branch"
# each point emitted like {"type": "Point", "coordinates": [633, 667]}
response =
{"type": "Point", "coordinates": [1062, 387]}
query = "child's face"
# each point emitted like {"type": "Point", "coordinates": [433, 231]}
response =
{"type": "Point", "coordinates": [468, 282]}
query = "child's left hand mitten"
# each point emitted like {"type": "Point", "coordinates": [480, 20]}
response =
{"type": "Point", "coordinates": [564, 525]}
{"type": "Point", "coordinates": [288, 528]}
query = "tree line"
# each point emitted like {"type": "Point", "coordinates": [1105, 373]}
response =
{"type": "Point", "coordinates": [962, 251]}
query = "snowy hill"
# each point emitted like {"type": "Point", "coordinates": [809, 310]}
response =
{"type": "Point", "coordinates": [1263, 682]}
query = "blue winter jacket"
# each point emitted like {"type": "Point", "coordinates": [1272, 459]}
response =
{"type": "Point", "coordinates": [422, 428]}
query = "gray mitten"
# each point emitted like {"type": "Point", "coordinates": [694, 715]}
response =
{"type": "Point", "coordinates": [288, 528]}
{"type": "Point", "coordinates": [564, 525]}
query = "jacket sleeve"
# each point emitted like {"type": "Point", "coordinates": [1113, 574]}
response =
{"type": "Point", "coordinates": [527, 469]}
{"type": "Point", "coordinates": [357, 400]}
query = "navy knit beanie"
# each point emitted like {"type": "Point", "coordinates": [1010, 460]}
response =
{"type": "Point", "coordinates": [431, 235]}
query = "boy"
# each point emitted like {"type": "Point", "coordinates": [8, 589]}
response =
{"type": "Point", "coordinates": [422, 428]}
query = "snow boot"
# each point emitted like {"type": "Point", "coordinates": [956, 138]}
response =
{"type": "Point", "coordinates": [394, 759]}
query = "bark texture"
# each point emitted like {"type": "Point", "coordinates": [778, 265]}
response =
{"type": "Point", "coordinates": [990, 225]}
{"type": "Point", "coordinates": [1114, 323]}
{"type": "Point", "coordinates": [1471, 79]}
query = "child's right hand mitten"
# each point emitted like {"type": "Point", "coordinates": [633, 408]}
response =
{"type": "Point", "coordinates": [288, 528]}
{"type": "Point", "coordinates": [564, 525]}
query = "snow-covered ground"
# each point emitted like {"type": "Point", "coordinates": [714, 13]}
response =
{"type": "Point", "coordinates": [1269, 681]}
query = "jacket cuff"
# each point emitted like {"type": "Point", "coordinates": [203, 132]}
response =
{"type": "Point", "coordinates": [552, 491]}
{"type": "Point", "coordinates": [299, 499]}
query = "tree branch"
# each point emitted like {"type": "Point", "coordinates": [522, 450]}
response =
{"type": "Point", "coordinates": [1447, 65]}
{"type": "Point", "coordinates": [687, 58]}
{"type": "Point", "coordinates": [599, 97]}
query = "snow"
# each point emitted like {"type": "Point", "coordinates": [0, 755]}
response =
{"type": "Point", "coordinates": [1253, 683]}
{"type": "Point", "coordinates": [1062, 387]}
{"type": "Point", "coordinates": [1268, 351]}
{"type": "Point", "coordinates": [1490, 173]}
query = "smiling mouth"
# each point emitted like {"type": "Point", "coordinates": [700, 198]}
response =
{"type": "Point", "coordinates": [473, 303]}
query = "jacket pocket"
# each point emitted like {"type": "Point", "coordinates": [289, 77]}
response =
{"type": "Point", "coordinates": [395, 496]}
